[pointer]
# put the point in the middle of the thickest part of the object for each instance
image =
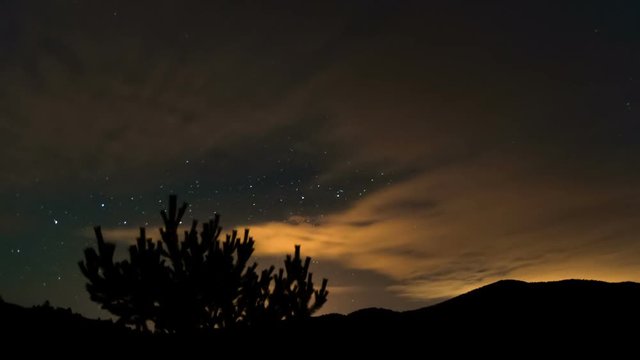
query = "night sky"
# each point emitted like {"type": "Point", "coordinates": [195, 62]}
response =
{"type": "Point", "coordinates": [416, 149]}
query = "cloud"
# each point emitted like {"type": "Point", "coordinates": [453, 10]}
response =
{"type": "Point", "coordinates": [444, 232]}
{"type": "Point", "coordinates": [121, 236]}
{"type": "Point", "coordinates": [103, 101]}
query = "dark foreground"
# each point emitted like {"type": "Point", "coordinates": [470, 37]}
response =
{"type": "Point", "coordinates": [506, 319]}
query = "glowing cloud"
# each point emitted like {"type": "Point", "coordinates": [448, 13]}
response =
{"type": "Point", "coordinates": [443, 233]}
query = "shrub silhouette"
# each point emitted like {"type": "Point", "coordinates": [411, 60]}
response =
{"type": "Point", "coordinates": [200, 282]}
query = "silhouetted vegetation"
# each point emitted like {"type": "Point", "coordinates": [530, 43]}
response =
{"type": "Point", "coordinates": [199, 282]}
{"type": "Point", "coordinates": [507, 319]}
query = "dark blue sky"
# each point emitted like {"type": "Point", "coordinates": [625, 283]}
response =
{"type": "Point", "coordinates": [416, 149]}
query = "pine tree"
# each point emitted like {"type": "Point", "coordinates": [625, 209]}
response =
{"type": "Point", "coordinates": [199, 282]}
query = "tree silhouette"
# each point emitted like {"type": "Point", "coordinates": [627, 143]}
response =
{"type": "Point", "coordinates": [200, 282]}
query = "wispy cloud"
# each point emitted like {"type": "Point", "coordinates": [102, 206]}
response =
{"type": "Point", "coordinates": [444, 232]}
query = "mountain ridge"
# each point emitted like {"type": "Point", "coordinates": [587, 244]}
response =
{"type": "Point", "coordinates": [549, 314]}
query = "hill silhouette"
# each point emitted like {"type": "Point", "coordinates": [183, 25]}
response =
{"type": "Point", "coordinates": [44, 321]}
{"type": "Point", "coordinates": [569, 315]}
{"type": "Point", "coordinates": [573, 304]}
